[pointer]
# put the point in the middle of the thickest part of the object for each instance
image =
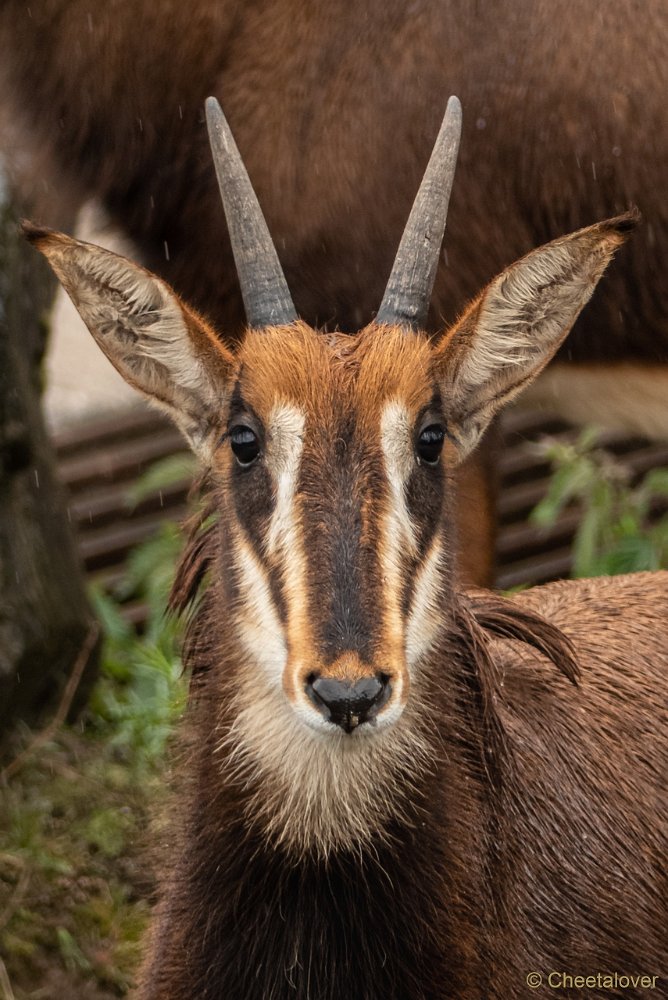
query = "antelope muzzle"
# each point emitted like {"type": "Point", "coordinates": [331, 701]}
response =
{"type": "Point", "coordinates": [349, 704]}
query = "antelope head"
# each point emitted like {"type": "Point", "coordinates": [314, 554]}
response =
{"type": "Point", "coordinates": [332, 458]}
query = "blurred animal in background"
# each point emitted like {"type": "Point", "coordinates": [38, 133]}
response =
{"type": "Point", "coordinates": [335, 108]}
{"type": "Point", "coordinates": [398, 789]}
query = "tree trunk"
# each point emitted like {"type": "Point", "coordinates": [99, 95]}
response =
{"type": "Point", "coordinates": [45, 617]}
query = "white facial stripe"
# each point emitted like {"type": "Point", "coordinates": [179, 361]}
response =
{"type": "Point", "coordinates": [395, 438]}
{"type": "Point", "coordinates": [258, 623]}
{"type": "Point", "coordinates": [425, 616]}
{"type": "Point", "coordinates": [286, 429]}
{"type": "Point", "coordinates": [398, 533]}
{"type": "Point", "coordinates": [315, 787]}
{"type": "Point", "coordinates": [284, 539]}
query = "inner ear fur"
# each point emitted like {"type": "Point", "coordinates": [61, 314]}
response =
{"type": "Point", "coordinates": [515, 326]}
{"type": "Point", "coordinates": [152, 338]}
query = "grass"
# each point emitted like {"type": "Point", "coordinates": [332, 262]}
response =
{"type": "Point", "coordinates": [73, 872]}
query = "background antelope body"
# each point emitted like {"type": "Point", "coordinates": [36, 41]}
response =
{"type": "Point", "coordinates": [396, 788]}
{"type": "Point", "coordinates": [335, 109]}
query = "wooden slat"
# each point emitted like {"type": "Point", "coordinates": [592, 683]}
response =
{"type": "Point", "coordinates": [105, 546]}
{"type": "Point", "coordinates": [119, 460]}
{"type": "Point", "coordinates": [552, 566]}
{"type": "Point", "coordinates": [109, 502]}
{"type": "Point", "coordinates": [100, 460]}
{"type": "Point", "coordinates": [81, 436]}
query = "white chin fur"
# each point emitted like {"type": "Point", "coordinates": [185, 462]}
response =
{"type": "Point", "coordinates": [311, 787]}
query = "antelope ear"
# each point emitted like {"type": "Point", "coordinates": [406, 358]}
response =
{"type": "Point", "coordinates": [510, 332]}
{"type": "Point", "coordinates": [156, 343]}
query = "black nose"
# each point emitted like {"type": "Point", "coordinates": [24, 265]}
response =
{"type": "Point", "coordinates": [349, 704]}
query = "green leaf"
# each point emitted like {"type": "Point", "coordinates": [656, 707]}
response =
{"type": "Point", "coordinates": [585, 546]}
{"type": "Point", "coordinates": [566, 484]}
{"type": "Point", "coordinates": [174, 470]}
{"type": "Point", "coordinates": [588, 439]}
{"type": "Point", "coordinates": [632, 555]}
{"type": "Point", "coordinates": [72, 955]}
{"type": "Point", "coordinates": [108, 613]}
{"type": "Point", "coordinates": [656, 482]}
{"type": "Point", "coordinates": [613, 535]}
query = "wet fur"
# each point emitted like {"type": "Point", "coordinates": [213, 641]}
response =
{"type": "Point", "coordinates": [510, 822]}
{"type": "Point", "coordinates": [533, 839]}
{"type": "Point", "coordinates": [335, 111]}
{"type": "Point", "coordinates": [511, 818]}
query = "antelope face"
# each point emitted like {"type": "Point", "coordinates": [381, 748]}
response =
{"type": "Point", "coordinates": [331, 457]}
{"type": "Point", "coordinates": [331, 468]}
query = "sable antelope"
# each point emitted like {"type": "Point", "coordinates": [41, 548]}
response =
{"type": "Point", "coordinates": [335, 108]}
{"type": "Point", "coordinates": [397, 789]}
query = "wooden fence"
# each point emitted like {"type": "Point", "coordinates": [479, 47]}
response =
{"type": "Point", "coordinates": [99, 461]}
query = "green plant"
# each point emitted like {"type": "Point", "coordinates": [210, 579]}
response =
{"type": "Point", "coordinates": [74, 818]}
{"type": "Point", "coordinates": [142, 690]}
{"type": "Point", "coordinates": [616, 532]}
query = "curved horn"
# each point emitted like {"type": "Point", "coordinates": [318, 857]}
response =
{"type": "Point", "coordinates": [409, 288]}
{"type": "Point", "coordinates": [265, 292]}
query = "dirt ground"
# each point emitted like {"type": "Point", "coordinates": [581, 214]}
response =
{"type": "Point", "coordinates": [75, 873]}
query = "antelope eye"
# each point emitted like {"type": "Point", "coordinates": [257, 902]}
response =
{"type": "Point", "coordinates": [430, 443]}
{"type": "Point", "coordinates": [245, 444]}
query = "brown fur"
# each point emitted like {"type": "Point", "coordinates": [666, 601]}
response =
{"type": "Point", "coordinates": [335, 109]}
{"type": "Point", "coordinates": [542, 826]}
{"type": "Point", "coordinates": [503, 811]}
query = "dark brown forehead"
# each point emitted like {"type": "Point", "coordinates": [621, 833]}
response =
{"type": "Point", "coordinates": [323, 374]}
